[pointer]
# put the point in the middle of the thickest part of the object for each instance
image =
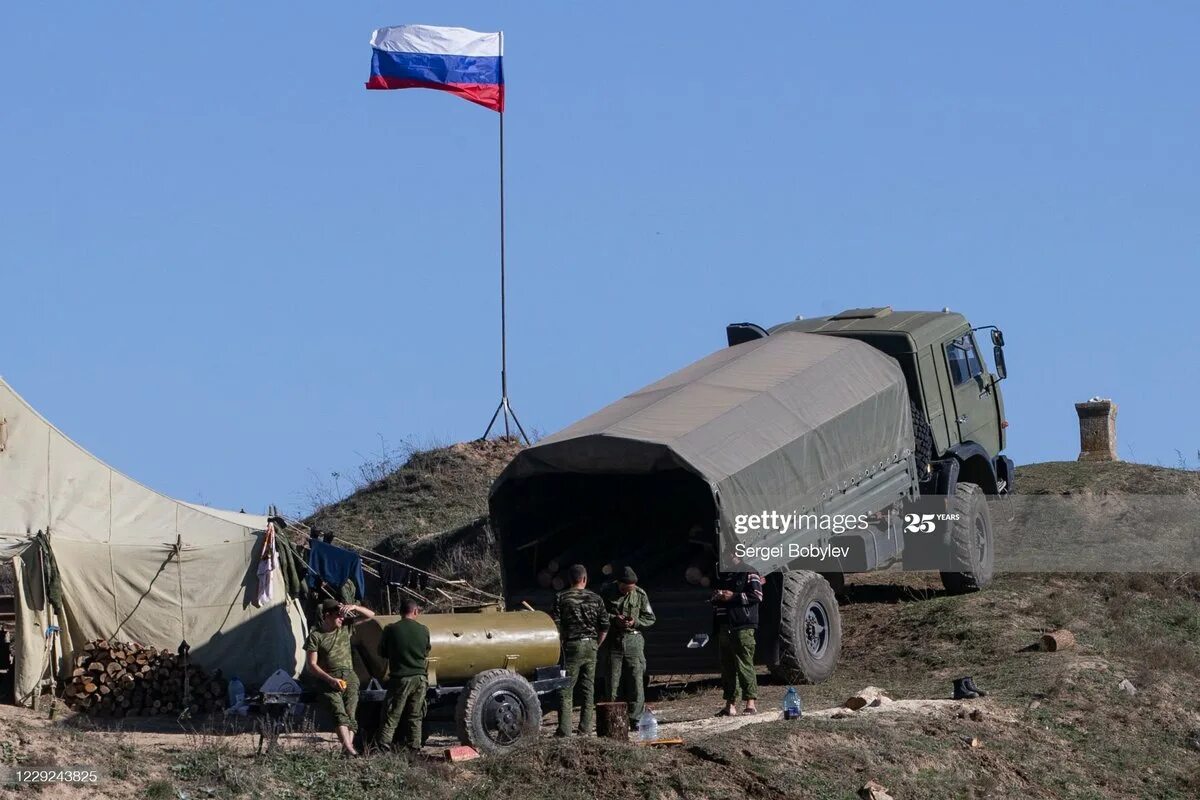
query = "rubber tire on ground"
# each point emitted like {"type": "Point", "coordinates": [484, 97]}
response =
{"type": "Point", "coordinates": [800, 591]}
{"type": "Point", "coordinates": [922, 440]}
{"type": "Point", "coordinates": [473, 703]}
{"type": "Point", "coordinates": [974, 522]}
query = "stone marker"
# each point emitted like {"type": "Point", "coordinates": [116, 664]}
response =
{"type": "Point", "coordinates": [1097, 430]}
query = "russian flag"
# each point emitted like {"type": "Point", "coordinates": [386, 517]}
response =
{"type": "Point", "coordinates": [456, 60]}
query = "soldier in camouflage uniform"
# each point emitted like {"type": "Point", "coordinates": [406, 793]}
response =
{"type": "Point", "coordinates": [328, 660]}
{"type": "Point", "coordinates": [629, 608]}
{"type": "Point", "coordinates": [405, 644]}
{"type": "Point", "coordinates": [582, 625]}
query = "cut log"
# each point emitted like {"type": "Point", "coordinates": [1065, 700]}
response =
{"type": "Point", "coordinates": [612, 721]}
{"type": "Point", "coordinates": [1061, 639]}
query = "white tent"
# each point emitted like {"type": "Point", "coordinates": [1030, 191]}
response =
{"type": "Point", "coordinates": [133, 565]}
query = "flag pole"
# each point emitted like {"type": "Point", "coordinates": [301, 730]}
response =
{"type": "Point", "coordinates": [505, 408]}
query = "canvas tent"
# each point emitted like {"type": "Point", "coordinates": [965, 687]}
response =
{"type": "Point", "coordinates": [132, 564]}
{"type": "Point", "coordinates": [779, 423]}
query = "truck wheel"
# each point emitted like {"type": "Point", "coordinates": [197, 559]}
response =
{"type": "Point", "coordinates": [496, 710]}
{"type": "Point", "coordinates": [922, 440]}
{"type": "Point", "coordinates": [970, 541]}
{"type": "Point", "coordinates": [810, 629]}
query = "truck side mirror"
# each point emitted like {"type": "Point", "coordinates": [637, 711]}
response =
{"type": "Point", "coordinates": [997, 337]}
{"type": "Point", "coordinates": [998, 357]}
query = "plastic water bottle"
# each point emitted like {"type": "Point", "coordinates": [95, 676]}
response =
{"type": "Point", "coordinates": [791, 704]}
{"type": "Point", "coordinates": [237, 692]}
{"type": "Point", "coordinates": [647, 726]}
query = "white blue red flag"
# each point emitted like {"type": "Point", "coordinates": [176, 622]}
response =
{"type": "Point", "coordinates": [463, 62]}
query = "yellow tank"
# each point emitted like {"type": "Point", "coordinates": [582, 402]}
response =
{"type": "Point", "coordinates": [464, 644]}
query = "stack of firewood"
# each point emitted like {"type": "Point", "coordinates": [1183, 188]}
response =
{"type": "Point", "coordinates": [126, 679]}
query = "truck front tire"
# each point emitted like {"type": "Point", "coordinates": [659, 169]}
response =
{"type": "Point", "coordinates": [970, 541]}
{"type": "Point", "coordinates": [810, 629]}
{"type": "Point", "coordinates": [496, 710]}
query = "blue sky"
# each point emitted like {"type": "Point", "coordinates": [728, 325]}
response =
{"type": "Point", "coordinates": [226, 266]}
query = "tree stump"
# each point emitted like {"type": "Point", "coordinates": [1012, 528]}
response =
{"type": "Point", "coordinates": [1058, 640]}
{"type": "Point", "coordinates": [612, 721]}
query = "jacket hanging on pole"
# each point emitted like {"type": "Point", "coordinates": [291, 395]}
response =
{"type": "Point", "coordinates": [334, 565]}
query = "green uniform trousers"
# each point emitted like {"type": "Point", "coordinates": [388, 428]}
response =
{"type": "Point", "coordinates": [737, 663]}
{"type": "Point", "coordinates": [627, 663]}
{"type": "Point", "coordinates": [342, 705]}
{"type": "Point", "coordinates": [404, 708]}
{"type": "Point", "coordinates": [580, 660]}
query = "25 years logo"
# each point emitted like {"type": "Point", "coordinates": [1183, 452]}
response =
{"type": "Point", "coordinates": [926, 523]}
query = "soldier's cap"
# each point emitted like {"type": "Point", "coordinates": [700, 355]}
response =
{"type": "Point", "coordinates": [329, 606]}
{"type": "Point", "coordinates": [627, 576]}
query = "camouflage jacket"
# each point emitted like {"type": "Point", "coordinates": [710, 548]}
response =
{"type": "Point", "coordinates": [634, 606]}
{"type": "Point", "coordinates": [580, 614]}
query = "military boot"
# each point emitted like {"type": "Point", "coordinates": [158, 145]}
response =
{"type": "Point", "coordinates": [961, 692]}
{"type": "Point", "coordinates": [969, 684]}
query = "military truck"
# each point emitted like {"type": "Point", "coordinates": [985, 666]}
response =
{"type": "Point", "coordinates": [890, 419]}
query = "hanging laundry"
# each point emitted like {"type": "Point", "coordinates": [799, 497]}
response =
{"type": "Point", "coordinates": [334, 565]}
{"type": "Point", "coordinates": [268, 563]}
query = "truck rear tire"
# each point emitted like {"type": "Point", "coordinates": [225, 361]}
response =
{"type": "Point", "coordinates": [496, 711]}
{"type": "Point", "coordinates": [970, 541]}
{"type": "Point", "coordinates": [810, 629]}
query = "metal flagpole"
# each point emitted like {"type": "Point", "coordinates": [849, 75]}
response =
{"type": "Point", "coordinates": [504, 408]}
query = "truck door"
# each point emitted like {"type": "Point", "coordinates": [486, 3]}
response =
{"type": "Point", "coordinates": [974, 392]}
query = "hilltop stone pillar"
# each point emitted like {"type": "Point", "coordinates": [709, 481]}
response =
{"type": "Point", "coordinates": [1097, 430]}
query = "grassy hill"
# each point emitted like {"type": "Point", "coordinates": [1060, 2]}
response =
{"type": "Point", "coordinates": [1055, 725]}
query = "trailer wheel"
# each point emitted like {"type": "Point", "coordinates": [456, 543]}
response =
{"type": "Point", "coordinates": [496, 710]}
{"type": "Point", "coordinates": [970, 541]}
{"type": "Point", "coordinates": [810, 629]}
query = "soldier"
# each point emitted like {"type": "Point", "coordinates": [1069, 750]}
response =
{"type": "Point", "coordinates": [735, 617]}
{"type": "Point", "coordinates": [630, 610]}
{"type": "Point", "coordinates": [582, 625]}
{"type": "Point", "coordinates": [405, 644]}
{"type": "Point", "coordinates": [328, 660]}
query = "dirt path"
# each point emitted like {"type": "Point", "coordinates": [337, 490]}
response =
{"type": "Point", "coordinates": [717, 725]}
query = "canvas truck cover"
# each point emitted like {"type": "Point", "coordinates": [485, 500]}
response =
{"type": "Point", "coordinates": [783, 423]}
{"type": "Point", "coordinates": [132, 564]}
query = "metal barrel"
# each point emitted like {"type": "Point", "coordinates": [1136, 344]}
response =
{"type": "Point", "coordinates": [464, 644]}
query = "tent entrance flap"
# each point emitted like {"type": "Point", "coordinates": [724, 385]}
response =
{"type": "Point", "coordinates": [656, 522]}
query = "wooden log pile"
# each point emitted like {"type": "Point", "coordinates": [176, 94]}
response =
{"type": "Point", "coordinates": [126, 679]}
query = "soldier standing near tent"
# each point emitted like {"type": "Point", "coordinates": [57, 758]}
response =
{"type": "Point", "coordinates": [629, 608]}
{"type": "Point", "coordinates": [735, 617]}
{"type": "Point", "coordinates": [405, 644]}
{"type": "Point", "coordinates": [582, 625]}
{"type": "Point", "coordinates": [329, 661]}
